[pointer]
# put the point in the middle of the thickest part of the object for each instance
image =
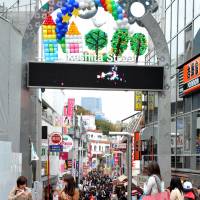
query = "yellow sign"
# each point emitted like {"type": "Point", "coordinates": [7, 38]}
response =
{"type": "Point", "coordinates": [138, 101]}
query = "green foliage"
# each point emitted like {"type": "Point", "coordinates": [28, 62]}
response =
{"type": "Point", "coordinates": [120, 41]}
{"type": "Point", "coordinates": [80, 110]}
{"type": "Point", "coordinates": [96, 40]}
{"type": "Point", "coordinates": [105, 126]}
{"type": "Point", "coordinates": [138, 44]}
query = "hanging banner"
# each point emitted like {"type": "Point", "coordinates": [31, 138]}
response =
{"type": "Point", "coordinates": [151, 101]}
{"type": "Point", "coordinates": [138, 101]}
{"type": "Point", "coordinates": [67, 143]}
{"type": "Point", "coordinates": [70, 108]}
{"type": "Point", "coordinates": [137, 146]}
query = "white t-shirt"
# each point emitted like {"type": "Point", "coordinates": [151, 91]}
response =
{"type": "Point", "coordinates": [151, 187]}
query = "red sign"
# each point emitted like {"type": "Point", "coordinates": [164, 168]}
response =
{"type": "Point", "coordinates": [137, 146]}
{"type": "Point", "coordinates": [56, 138]}
{"type": "Point", "coordinates": [70, 108]}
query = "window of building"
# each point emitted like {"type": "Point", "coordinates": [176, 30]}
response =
{"type": "Point", "coordinates": [187, 104]}
{"type": "Point", "coordinates": [174, 17]}
{"type": "Point", "coordinates": [196, 43]}
{"type": "Point", "coordinates": [173, 136]}
{"type": "Point", "coordinates": [196, 101]}
{"type": "Point", "coordinates": [173, 95]}
{"type": "Point", "coordinates": [95, 148]}
{"type": "Point", "coordinates": [180, 135]}
{"type": "Point", "coordinates": [99, 148]}
{"type": "Point", "coordinates": [187, 134]}
{"type": "Point", "coordinates": [189, 11]}
{"type": "Point", "coordinates": [168, 24]}
{"type": "Point", "coordinates": [173, 56]}
{"type": "Point", "coordinates": [188, 42]}
{"type": "Point", "coordinates": [180, 48]}
{"type": "Point", "coordinates": [181, 14]}
{"type": "Point", "coordinates": [196, 7]}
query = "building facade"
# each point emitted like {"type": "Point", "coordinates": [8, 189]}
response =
{"type": "Point", "coordinates": [180, 20]}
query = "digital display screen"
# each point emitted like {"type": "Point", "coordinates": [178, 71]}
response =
{"type": "Point", "coordinates": [94, 76]}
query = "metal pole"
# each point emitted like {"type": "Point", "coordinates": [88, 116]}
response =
{"type": "Point", "coordinates": [48, 170]}
{"type": "Point", "coordinates": [129, 189]}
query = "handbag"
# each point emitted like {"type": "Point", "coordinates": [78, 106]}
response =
{"type": "Point", "coordinates": [159, 196]}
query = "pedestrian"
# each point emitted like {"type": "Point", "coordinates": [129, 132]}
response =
{"type": "Point", "coordinates": [21, 191]}
{"type": "Point", "coordinates": [154, 184]}
{"type": "Point", "coordinates": [189, 191]}
{"type": "Point", "coordinates": [69, 192]}
{"type": "Point", "coordinates": [176, 189]}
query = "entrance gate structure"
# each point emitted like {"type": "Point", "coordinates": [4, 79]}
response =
{"type": "Point", "coordinates": [162, 52]}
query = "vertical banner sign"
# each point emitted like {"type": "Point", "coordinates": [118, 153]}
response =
{"type": "Point", "coordinates": [65, 119]}
{"type": "Point", "coordinates": [151, 101]}
{"type": "Point", "coordinates": [116, 159]}
{"type": "Point", "coordinates": [133, 152]}
{"type": "Point", "coordinates": [70, 108]}
{"type": "Point", "coordinates": [138, 101]}
{"type": "Point", "coordinates": [137, 148]}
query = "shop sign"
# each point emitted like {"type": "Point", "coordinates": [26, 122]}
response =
{"type": "Point", "coordinates": [138, 101]}
{"type": "Point", "coordinates": [56, 138]}
{"type": "Point", "coordinates": [151, 101]}
{"type": "Point", "coordinates": [67, 143]}
{"type": "Point", "coordinates": [189, 77]}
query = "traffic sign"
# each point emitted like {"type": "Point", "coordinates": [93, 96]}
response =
{"type": "Point", "coordinates": [56, 138]}
{"type": "Point", "coordinates": [55, 148]}
{"type": "Point", "coordinates": [67, 143]}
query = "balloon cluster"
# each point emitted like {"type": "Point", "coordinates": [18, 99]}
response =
{"type": "Point", "coordinates": [69, 8]}
{"type": "Point", "coordinates": [112, 7]}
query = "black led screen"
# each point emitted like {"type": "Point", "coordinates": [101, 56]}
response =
{"type": "Point", "coordinates": [94, 76]}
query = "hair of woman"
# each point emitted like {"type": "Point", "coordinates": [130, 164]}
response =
{"type": "Point", "coordinates": [154, 169]}
{"type": "Point", "coordinates": [21, 180]}
{"type": "Point", "coordinates": [70, 186]}
{"type": "Point", "coordinates": [176, 183]}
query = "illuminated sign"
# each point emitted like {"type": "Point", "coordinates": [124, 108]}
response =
{"type": "Point", "coordinates": [189, 77]}
{"type": "Point", "coordinates": [113, 76]}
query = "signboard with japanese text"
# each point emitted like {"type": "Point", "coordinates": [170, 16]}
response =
{"type": "Point", "coordinates": [138, 101]}
{"type": "Point", "coordinates": [67, 143]}
{"type": "Point", "coordinates": [55, 148]}
{"type": "Point", "coordinates": [189, 76]}
{"type": "Point", "coordinates": [56, 138]}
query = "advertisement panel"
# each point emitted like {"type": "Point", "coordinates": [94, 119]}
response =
{"type": "Point", "coordinates": [137, 146]}
{"type": "Point", "coordinates": [70, 107]}
{"type": "Point", "coordinates": [138, 101]}
{"type": "Point", "coordinates": [67, 143]}
{"type": "Point", "coordinates": [189, 76]}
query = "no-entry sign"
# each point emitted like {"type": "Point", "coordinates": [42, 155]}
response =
{"type": "Point", "coordinates": [56, 138]}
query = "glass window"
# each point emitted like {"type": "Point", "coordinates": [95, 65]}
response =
{"type": "Point", "coordinates": [180, 135]}
{"type": "Point", "coordinates": [187, 135]}
{"type": "Point", "coordinates": [196, 42]}
{"type": "Point", "coordinates": [189, 11]}
{"type": "Point", "coordinates": [173, 136]}
{"type": "Point", "coordinates": [181, 14]}
{"type": "Point", "coordinates": [196, 101]}
{"type": "Point", "coordinates": [196, 7]}
{"type": "Point", "coordinates": [167, 2]}
{"type": "Point", "coordinates": [173, 95]}
{"type": "Point", "coordinates": [188, 42]}
{"type": "Point", "coordinates": [168, 24]}
{"type": "Point", "coordinates": [180, 48]}
{"type": "Point", "coordinates": [174, 17]}
{"type": "Point", "coordinates": [173, 56]}
{"type": "Point", "coordinates": [187, 104]}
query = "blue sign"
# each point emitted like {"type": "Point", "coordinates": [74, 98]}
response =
{"type": "Point", "coordinates": [55, 148]}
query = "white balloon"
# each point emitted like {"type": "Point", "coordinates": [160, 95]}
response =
{"type": "Point", "coordinates": [81, 5]}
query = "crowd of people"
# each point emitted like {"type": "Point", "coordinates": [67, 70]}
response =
{"type": "Point", "coordinates": [97, 186]}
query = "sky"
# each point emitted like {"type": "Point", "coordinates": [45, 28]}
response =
{"type": "Point", "coordinates": [116, 105]}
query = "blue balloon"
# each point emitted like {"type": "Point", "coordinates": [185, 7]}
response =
{"type": "Point", "coordinates": [64, 10]}
{"type": "Point", "coordinates": [58, 20]}
{"type": "Point", "coordinates": [71, 2]}
{"type": "Point", "coordinates": [59, 36]}
{"type": "Point", "coordinates": [63, 31]}
{"type": "Point", "coordinates": [70, 8]}
{"type": "Point", "coordinates": [98, 2]}
{"type": "Point", "coordinates": [60, 25]}
{"type": "Point", "coordinates": [76, 4]}
{"type": "Point", "coordinates": [120, 16]}
{"type": "Point", "coordinates": [119, 9]}
{"type": "Point", "coordinates": [59, 15]}
{"type": "Point", "coordinates": [57, 30]}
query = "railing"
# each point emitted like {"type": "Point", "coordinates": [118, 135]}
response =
{"type": "Point", "coordinates": [18, 12]}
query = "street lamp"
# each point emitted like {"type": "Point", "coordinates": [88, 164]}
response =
{"type": "Point", "coordinates": [129, 158]}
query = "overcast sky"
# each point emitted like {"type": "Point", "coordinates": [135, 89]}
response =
{"type": "Point", "coordinates": [116, 105]}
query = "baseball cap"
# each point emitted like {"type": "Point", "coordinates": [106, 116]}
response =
{"type": "Point", "coordinates": [187, 185]}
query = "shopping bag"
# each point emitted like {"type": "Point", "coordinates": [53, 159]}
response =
{"type": "Point", "coordinates": [159, 196]}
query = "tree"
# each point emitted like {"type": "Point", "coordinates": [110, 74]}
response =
{"type": "Point", "coordinates": [83, 111]}
{"type": "Point", "coordinates": [119, 42]}
{"type": "Point", "coordinates": [105, 126]}
{"type": "Point", "coordinates": [138, 44]}
{"type": "Point", "coordinates": [96, 40]}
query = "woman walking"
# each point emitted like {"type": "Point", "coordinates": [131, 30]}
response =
{"type": "Point", "coordinates": [176, 189]}
{"type": "Point", "coordinates": [69, 192]}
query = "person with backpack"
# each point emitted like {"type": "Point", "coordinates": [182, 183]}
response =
{"type": "Point", "coordinates": [176, 189]}
{"type": "Point", "coordinates": [21, 191]}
